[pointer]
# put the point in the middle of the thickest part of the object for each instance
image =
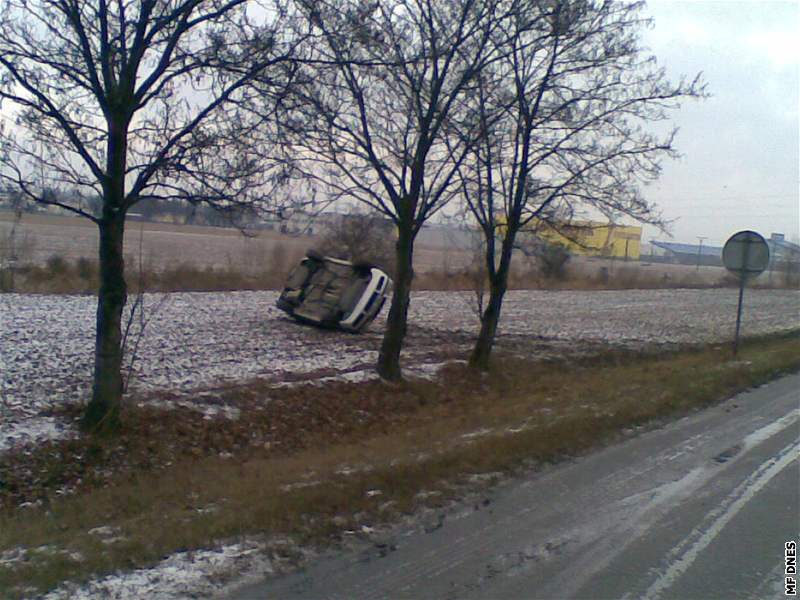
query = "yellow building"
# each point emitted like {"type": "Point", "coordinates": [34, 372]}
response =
{"type": "Point", "coordinates": [596, 239]}
{"type": "Point", "coordinates": [591, 238]}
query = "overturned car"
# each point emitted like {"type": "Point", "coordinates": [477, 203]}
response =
{"type": "Point", "coordinates": [335, 293]}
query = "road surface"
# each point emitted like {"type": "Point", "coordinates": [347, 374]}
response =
{"type": "Point", "coordinates": [700, 508]}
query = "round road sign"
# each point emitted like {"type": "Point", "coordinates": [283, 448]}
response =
{"type": "Point", "coordinates": [746, 253]}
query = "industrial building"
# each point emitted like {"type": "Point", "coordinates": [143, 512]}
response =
{"type": "Point", "coordinates": [590, 238]}
{"type": "Point", "coordinates": [782, 254]}
{"type": "Point", "coordinates": [686, 254]}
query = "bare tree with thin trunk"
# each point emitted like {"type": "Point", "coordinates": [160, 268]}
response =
{"type": "Point", "coordinates": [131, 99]}
{"type": "Point", "coordinates": [563, 125]}
{"type": "Point", "coordinates": [375, 103]}
{"type": "Point", "coordinates": [360, 238]}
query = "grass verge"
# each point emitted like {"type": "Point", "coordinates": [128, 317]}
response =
{"type": "Point", "coordinates": [310, 466]}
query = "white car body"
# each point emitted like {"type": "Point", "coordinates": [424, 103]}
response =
{"type": "Point", "coordinates": [334, 293]}
{"type": "Point", "coordinates": [370, 303]}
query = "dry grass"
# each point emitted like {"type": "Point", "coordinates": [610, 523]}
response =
{"type": "Point", "coordinates": [624, 276]}
{"type": "Point", "coordinates": [326, 447]}
{"type": "Point", "coordinates": [58, 276]}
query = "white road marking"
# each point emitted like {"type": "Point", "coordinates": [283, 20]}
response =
{"type": "Point", "coordinates": [685, 553]}
{"type": "Point", "coordinates": [768, 431]}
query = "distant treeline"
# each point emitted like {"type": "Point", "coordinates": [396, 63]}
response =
{"type": "Point", "coordinates": [147, 209]}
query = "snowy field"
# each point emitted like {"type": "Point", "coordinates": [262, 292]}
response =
{"type": "Point", "coordinates": [195, 342]}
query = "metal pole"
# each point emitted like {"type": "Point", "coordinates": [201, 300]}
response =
{"type": "Point", "coordinates": [742, 280]}
{"type": "Point", "coordinates": [700, 251]}
{"type": "Point", "coordinates": [739, 314]}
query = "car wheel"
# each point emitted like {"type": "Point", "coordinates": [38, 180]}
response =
{"type": "Point", "coordinates": [363, 268]}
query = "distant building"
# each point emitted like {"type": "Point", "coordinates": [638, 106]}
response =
{"type": "Point", "coordinates": [590, 238]}
{"type": "Point", "coordinates": [686, 254]}
{"type": "Point", "coordinates": [782, 251]}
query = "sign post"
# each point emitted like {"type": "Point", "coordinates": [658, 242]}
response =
{"type": "Point", "coordinates": [746, 254]}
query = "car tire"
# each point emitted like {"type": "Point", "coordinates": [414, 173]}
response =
{"type": "Point", "coordinates": [363, 268]}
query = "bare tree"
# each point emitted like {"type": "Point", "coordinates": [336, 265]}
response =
{"type": "Point", "coordinates": [360, 238]}
{"type": "Point", "coordinates": [563, 126]}
{"type": "Point", "coordinates": [132, 99]}
{"type": "Point", "coordinates": [387, 75]}
{"type": "Point", "coordinates": [16, 248]}
{"type": "Point", "coordinates": [551, 258]}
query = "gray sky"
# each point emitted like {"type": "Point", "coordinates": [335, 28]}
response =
{"type": "Point", "coordinates": [740, 167]}
{"type": "Point", "coordinates": [741, 148]}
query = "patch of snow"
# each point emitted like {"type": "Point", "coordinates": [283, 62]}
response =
{"type": "Point", "coordinates": [429, 370]}
{"type": "Point", "coordinates": [355, 376]}
{"type": "Point", "coordinates": [108, 535]}
{"type": "Point", "coordinates": [211, 508]}
{"type": "Point", "coordinates": [200, 573]}
{"type": "Point", "coordinates": [483, 477]}
{"type": "Point", "coordinates": [296, 486]}
{"type": "Point", "coordinates": [424, 494]}
{"type": "Point", "coordinates": [103, 531]}
{"type": "Point", "coordinates": [478, 433]}
{"type": "Point", "coordinates": [524, 425]}
{"type": "Point", "coordinates": [14, 556]}
{"type": "Point", "coordinates": [209, 411]}
{"type": "Point", "coordinates": [9, 558]}
{"type": "Point", "coordinates": [32, 430]}
{"type": "Point", "coordinates": [348, 470]}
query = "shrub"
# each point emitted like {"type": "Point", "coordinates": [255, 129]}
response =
{"type": "Point", "coordinates": [361, 238]}
{"type": "Point", "coordinates": [86, 268]}
{"type": "Point", "coordinates": [57, 265]}
{"type": "Point", "coordinates": [553, 259]}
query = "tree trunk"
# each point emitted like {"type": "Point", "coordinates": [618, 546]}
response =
{"type": "Point", "coordinates": [103, 410]}
{"type": "Point", "coordinates": [479, 359]}
{"type": "Point", "coordinates": [498, 284]}
{"type": "Point", "coordinates": [389, 357]}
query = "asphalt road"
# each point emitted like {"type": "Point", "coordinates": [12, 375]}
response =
{"type": "Point", "coordinates": [700, 508]}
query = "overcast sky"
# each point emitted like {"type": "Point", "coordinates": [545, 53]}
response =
{"type": "Point", "coordinates": [740, 167]}
{"type": "Point", "coordinates": [741, 148]}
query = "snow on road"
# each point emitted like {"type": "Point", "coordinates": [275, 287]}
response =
{"type": "Point", "coordinates": [199, 341]}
